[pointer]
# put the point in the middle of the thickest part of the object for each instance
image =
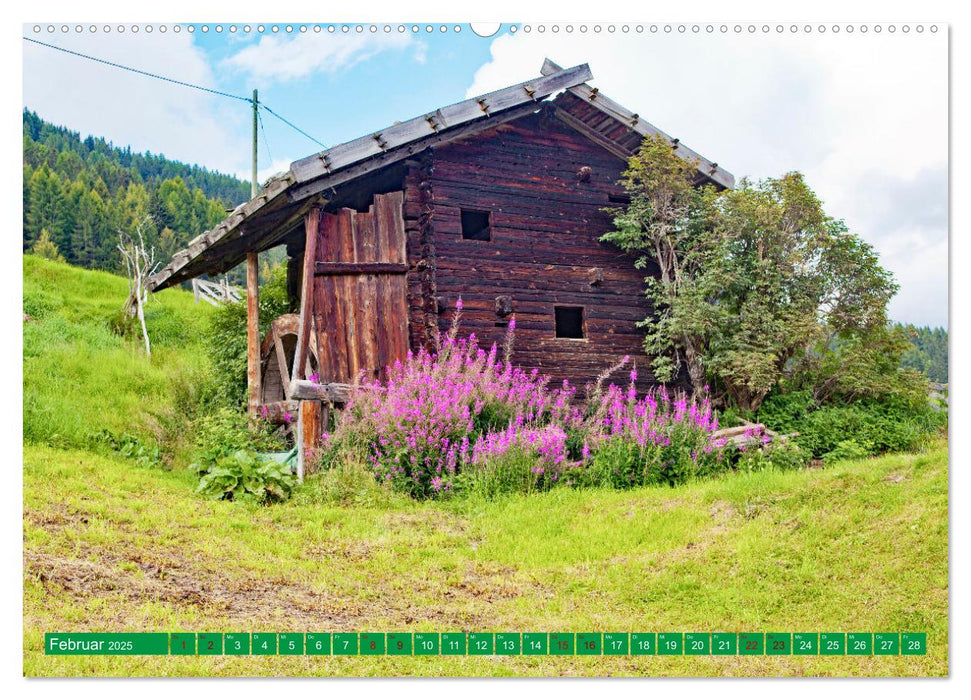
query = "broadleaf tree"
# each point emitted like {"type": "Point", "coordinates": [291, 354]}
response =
{"type": "Point", "coordinates": [744, 280]}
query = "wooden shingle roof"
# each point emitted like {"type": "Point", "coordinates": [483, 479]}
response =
{"type": "Point", "coordinates": [266, 219]}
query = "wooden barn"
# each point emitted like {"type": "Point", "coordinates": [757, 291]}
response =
{"type": "Point", "coordinates": [497, 199]}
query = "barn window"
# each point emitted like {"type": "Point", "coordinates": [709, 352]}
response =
{"type": "Point", "coordinates": [569, 321]}
{"type": "Point", "coordinates": [476, 225]}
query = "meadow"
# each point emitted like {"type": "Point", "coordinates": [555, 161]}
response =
{"type": "Point", "coordinates": [118, 540]}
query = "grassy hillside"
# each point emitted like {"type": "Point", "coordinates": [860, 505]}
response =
{"type": "Point", "coordinates": [113, 545]}
{"type": "Point", "coordinates": [859, 546]}
{"type": "Point", "coordinates": [81, 376]}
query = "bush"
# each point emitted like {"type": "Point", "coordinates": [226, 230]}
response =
{"type": "Point", "coordinates": [244, 476]}
{"type": "Point", "coordinates": [663, 438]}
{"type": "Point", "coordinates": [875, 426]}
{"type": "Point", "coordinates": [225, 337]}
{"type": "Point", "coordinates": [762, 455]}
{"type": "Point", "coordinates": [131, 447]}
{"type": "Point", "coordinates": [847, 449]}
{"type": "Point", "coordinates": [225, 432]}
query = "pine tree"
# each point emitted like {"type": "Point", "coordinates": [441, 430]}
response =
{"type": "Point", "coordinates": [45, 248]}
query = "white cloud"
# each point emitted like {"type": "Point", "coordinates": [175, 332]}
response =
{"type": "Point", "coordinates": [135, 110]}
{"type": "Point", "coordinates": [279, 165]}
{"type": "Point", "coordinates": [863, 116]}
{"type": "Point", "coordinates": [280, 58]}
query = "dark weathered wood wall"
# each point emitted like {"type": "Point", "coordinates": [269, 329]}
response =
{"type": "Point", "coordinates": [545, 186]}
{"type": "Point", "coordinates": [359, 297]}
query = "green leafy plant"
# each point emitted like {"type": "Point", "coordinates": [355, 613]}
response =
{"type": "Point", "coordinates": [226, 431]}
{"type": "Point", "coordinates": [225, 338]}
{"type": "Point", "coordinates": [846, 449]}
{"type": "Point", "coordinates": [246, 477]}
{"type": "Point", "coordinates": [131, 447]}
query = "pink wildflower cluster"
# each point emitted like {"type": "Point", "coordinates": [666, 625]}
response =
{"type": "Point", "coordinates": [422, 426]}
{"type": "Point", "coordinates": [661, 437]}
{"type": "Point", "coordinates": [469, 411]}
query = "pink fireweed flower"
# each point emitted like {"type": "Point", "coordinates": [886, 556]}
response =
{"type": "Point", "coordinates": [287, 418]}
{"type": "Point", "coordinates": [458, 304]}
{"type": "Point", "coordinates": [512, 323]}
{"type": "Point", "coordinates": [315, 378]}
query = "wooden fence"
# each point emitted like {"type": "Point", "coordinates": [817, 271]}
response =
{"type": "Point", "coordinates": [215, 292]}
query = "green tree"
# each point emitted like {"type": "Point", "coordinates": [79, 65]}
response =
{"type": "Point", "coordinates": [45, 248]}
{"type": "Point", "coordinates": [744, 279]}
{"type": "Point", "coordinates": [47, 208]}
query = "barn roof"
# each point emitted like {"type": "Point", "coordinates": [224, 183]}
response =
{"type": "Point", "coordinates": [265, 220]}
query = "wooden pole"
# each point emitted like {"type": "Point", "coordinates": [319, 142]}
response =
{"type": "Point", "coordinates": [253, 331]}
{"type": "Point", "coordinates": [311, 225]}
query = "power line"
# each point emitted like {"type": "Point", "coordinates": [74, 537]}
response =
{"type": "Point", "coordinates": [140, 72]}
{"type": "Point", "coordinates": [177, 82]}
{"type": "Point", "coordinates": [293, 126]}
{"type": "Point", "coordinates": [265, 140]}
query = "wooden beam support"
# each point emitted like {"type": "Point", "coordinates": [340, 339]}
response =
{"type": "Point", "coordinates": [333, 393]}
{"type": "Point", "coordinates": [311, 226]}
{"type": "Point", "coordinates": [253, 332]}
{"type": "Point", "coordinates": [360, 268]}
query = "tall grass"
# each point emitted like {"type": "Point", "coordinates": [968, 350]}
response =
{"type": "Point", "coordinates": [85, 373]}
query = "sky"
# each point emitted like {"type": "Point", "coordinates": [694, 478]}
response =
{"type": "Point", "coordinates": [864, 115]}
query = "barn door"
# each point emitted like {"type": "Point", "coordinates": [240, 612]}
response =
{"type": "Point", "coordinates": [360, 292]}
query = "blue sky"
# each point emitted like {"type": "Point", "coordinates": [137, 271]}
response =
{"type": "Point", "coordinates": [863, 115]}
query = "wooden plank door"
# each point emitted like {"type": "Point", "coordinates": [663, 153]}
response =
{"type": "Point", "coordinates": [360, 291]}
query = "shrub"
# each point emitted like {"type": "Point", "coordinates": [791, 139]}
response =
{"type": "Point", "coordinates": [846, 449]}
{"type": "Point", "coordinates": [663, 438]}
{"type": "Point", "coordinates": [225, 432]}
{"type": "Point", "coordinates": [890, 424]}
{"type": "Point", "coordinates": [762, 454]}
{"type": "Point", "coordinates": [516, 461]}
{"type": "Point", "coordinates": [417, 430]}
{"type": "Point", "coordinates": [244, 476]}
{"type": "Point", "coordinates": [131, 447]}
{"type": "Point", "coordinates": [225, 337]}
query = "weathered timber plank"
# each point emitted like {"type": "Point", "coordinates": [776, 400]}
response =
{"type": "Point", "coordinates": [333, 392]}
{"type": "Point", "coordinates": [253, 364]}
{"type": "Point", "coordinates": [360, 268]}
{"type": "Point", "coordinates": [311, 229]}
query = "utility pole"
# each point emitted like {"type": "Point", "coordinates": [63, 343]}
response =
{"type": "Point", "coordinates": [254, 188]}
{"type": "Point", "coordinates": [253, 379]}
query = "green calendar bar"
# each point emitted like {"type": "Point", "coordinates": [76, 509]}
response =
{"type": "Point", "coordinates": [103, 644]}
{"type": "Point", "coordinates": [488, 643]}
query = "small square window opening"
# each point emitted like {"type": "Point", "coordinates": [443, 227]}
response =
{"type": "Point", "coordinates": [476, 225]}
{"type": "Point", "coordinates": [569, 321]}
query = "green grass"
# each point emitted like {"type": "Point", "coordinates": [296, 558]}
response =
{"type": "Point", "coordinates": [82, 377]}
{"type": "Point", "coordinates": [859, 546]}
{"type": "Point", "coordinates": [109, 545]}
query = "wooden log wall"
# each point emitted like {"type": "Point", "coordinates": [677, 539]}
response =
{"type": "Point", "coordinates": [545, 186]}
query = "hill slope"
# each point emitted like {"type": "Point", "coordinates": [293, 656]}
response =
{"type": "Point", "coordinates": [82, 377]}
{"type": "Point", "coordinates": [113, 545]}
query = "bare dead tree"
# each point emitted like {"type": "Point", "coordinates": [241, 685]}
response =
{"type": "Point", "coordinates": [140, 264]}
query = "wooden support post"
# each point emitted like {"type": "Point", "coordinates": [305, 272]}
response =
{"type": "Point", "coordinates": [309, 428]}
{"type": "Point", "coordinates": [311, 225]}
{"type": "Point", "coordinates": [253, 331]}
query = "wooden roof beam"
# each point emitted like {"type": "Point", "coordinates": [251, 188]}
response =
{"type": "Point", "coordinates": [406, 132]}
